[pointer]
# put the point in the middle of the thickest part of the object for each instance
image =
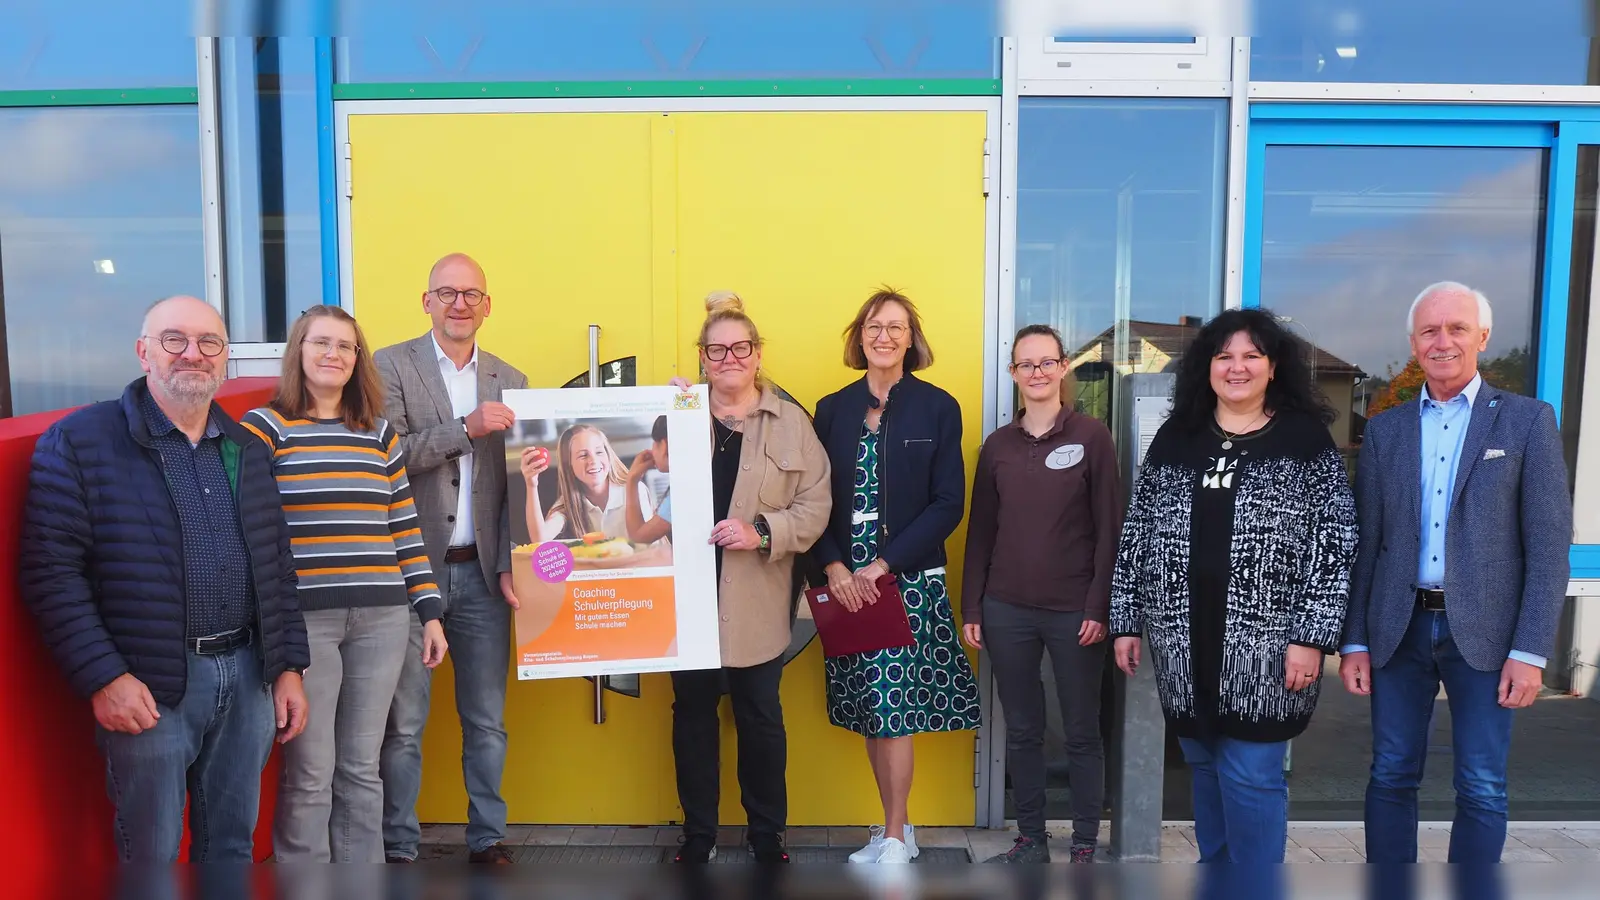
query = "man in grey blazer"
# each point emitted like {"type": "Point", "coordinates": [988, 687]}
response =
{"type": "Point", "coordinates": [1460, 577]}
{"type": "Point", "coordinates": [442, 394]}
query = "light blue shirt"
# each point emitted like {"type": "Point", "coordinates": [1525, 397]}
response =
{"type": "Point", "coordinates": [1444, 432]}
{"type": "Point", "coordinates": [665, 509]}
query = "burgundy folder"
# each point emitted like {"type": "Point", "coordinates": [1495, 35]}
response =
{"type": "Point", "coordinates": [875, 626]}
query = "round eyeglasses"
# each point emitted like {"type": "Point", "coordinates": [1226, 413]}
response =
{"type": "Point", "coordinates": [448, 295]}
{"type": "Point", "coordinates": [178, 344]}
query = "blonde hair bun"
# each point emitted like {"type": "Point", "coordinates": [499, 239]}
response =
{"type": "Point", "coordinates": [724, 302]}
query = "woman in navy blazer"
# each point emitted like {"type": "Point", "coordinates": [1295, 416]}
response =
{"type": "Point", "coordinates": [898, 492]}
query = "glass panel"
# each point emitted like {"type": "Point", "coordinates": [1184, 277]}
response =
{"type": "Point", "coordinates": [1119, 246]}
{"type": "Point", "coordinates": [1350, 235]}
{"type": "Point", "coordinates": [1119, 230]}
{"type": "Point", "coordinates": [552, 42]}
{"type": "Point", "coordinates": [99, 217]}
{"type": "Point", "coordinates": [1423, 41]}
{"type": "Point", "coordinates": [1580, 292]}
{"type": "Point", "coordinates": [96, 44]}
{"type": "Point", "coordinates": [271, 208]}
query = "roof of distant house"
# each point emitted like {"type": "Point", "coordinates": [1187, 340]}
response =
{"type": "Point", "coordinates": [1171, 339]}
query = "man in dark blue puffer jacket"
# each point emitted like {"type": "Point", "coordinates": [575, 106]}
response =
{"type": "Point", "coordinates": [156, 559]}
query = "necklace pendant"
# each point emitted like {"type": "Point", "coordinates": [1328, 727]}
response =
{"type": "Point", "coordinates": [1227, 445]}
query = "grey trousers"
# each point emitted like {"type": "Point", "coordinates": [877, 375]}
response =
{"type": "Point", "coordinates": [330, 797]}
{"type": "Point", "coordinates": [477, 623]}
{"type": "Point", "coordinates": [1016, 638]}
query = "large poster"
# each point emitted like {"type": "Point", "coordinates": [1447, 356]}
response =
{"type": "Point", "coordinates": [608, 488]}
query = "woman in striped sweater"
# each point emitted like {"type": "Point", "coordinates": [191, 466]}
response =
{"type": "Point", "coordinates": [362, 569]}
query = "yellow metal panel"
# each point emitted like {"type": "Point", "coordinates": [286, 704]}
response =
{"type": "Point", "coordinates": [628, 220]}
{"type": "Point", "coordinates": [557, 208]}
{"type": "Point", "coordinates": [664, 234]}
{"type": "Point", "coordinates": [805, 214]}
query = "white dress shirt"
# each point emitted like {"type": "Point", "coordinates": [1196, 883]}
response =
{"type": "Point", "coordinates": [462, 386]}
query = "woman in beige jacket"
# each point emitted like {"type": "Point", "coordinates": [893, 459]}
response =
{"type": "Point", "coordinates": [771, 500]}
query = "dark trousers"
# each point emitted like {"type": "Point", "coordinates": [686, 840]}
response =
{"type": "Point", "coordinates": [763, 747]}
{"type": "Point", "coordinates": [1016, 638]}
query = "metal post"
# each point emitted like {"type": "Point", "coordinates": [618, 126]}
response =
{"type": "Point", "coordinates": [594, 382]}
{"type": "Point", "coordinates": [1139, 750]}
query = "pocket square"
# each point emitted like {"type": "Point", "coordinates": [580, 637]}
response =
{"type": "Point", "coordinates": [1493, 454]}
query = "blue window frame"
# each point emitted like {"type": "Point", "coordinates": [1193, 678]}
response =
{"type": "Point", "coordinates": [1558, 132]}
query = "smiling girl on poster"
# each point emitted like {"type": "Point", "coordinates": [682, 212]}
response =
{"type": "Point", "coordinates": [592, 483]}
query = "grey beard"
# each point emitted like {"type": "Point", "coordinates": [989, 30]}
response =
{"type": "Point", "coordinates": [189, 392]}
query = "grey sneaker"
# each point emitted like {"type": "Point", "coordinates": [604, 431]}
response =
{"type": "Point", "coordinates": [1024, 850]}
{"type": "Point", "coordinates": [1082, 853]}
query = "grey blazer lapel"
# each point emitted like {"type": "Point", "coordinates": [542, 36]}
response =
{"type": "Point", "coordinates": [1484, 410]}
{"type": "Point", "coordinates": [426, 361]}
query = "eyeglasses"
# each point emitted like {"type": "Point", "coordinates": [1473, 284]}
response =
{"type": "Point", "coordinates": [448, 295]}
{"type": "Point", "coordinates": [1047, 366]}
{"type": "Point", "coordinates": [323, 346]}
{"type": "Point", "coordinates": [895, 330]}
{"type": "Point", "coordinates": [178, 344]}
{"type": "Point", "coordinates": [719, 352]}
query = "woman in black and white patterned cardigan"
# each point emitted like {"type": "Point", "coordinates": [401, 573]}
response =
{"type": "Point", "coordinates": [1234, 567]}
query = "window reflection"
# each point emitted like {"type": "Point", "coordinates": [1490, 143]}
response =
{"type": "Point", "coordinates": [598, 41]}
{"type": "Point", "coordinates": [1350, 235]}
{"type": "Point", "coordinates": [1119, 231]}
{"type": "Point", "coordinates": [96, 44]}
{"type": "Point", "coordinates": [99, 217]}
{"type": "Point", "coordinates": [1422, 41]}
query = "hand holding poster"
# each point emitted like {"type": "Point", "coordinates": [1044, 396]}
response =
{"type": "Point", "coordinates": [610, 479]}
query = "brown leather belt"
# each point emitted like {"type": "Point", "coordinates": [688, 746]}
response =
{"type": "Point", "coordinates": [1432, 601]}
{"type": "Point", "coordinates": [466, 554]}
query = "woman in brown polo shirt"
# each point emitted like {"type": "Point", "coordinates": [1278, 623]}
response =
{"type": "Point", "coordinates": [1041, 544]}
{"type": "Point", "coordinates": [770, 499]}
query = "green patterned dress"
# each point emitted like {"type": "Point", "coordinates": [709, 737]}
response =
{"type": "Point", "coordinates": [905, 690]}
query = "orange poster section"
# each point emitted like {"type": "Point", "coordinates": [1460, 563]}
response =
{"type": "Point", "coordinates": [596, 621]}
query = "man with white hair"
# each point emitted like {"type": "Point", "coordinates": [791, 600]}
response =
{"type": "Point", "coordinates": [156, 560]}
{"type": "Point", "coordinates": [1460, 577]}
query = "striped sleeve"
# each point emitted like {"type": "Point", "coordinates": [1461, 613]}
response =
{"type": "Point", "coordinates": [406, 527]}
{"type": "Point", "coordinates": [261, 423]}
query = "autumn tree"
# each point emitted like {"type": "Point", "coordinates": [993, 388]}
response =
{"type": "Point", "coordinates": [1402, 388]}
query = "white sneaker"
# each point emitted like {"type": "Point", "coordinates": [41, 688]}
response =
{"type": "Point", "coordinates": [894, 851]}
{"type": "Point", "coordinates": [874, 847]}
{"type": "Point", "coordinates": [869, 853]}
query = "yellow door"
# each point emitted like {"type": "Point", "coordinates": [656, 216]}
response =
{"type": "Point", "coordinates": [627, 220]}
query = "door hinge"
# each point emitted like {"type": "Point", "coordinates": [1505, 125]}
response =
{"type": "Point", "coordinates": [349, 188]}
{"type": "Point", "coordinates": [986, 164]}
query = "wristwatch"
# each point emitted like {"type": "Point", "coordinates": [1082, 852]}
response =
{"type": "Point", "coordinates": [765, 533]}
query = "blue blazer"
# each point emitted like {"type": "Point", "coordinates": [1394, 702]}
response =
{"type": "Point", "coordinates": [922, 478]}
{"type": "Point", "coordinates": [1507, 539]}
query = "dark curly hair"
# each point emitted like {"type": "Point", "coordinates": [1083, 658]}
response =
{"type": "Point", "coordinates": [1293, 387]}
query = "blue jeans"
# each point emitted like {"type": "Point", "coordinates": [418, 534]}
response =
{"type": "Point", "coordinates": [1241, 800]}
{"type": "Point", "coordinates": [209, 750]}
{"type": "Point", "coordinates": [1403, 694]}
{"type": "Point", "coordinates": [477, 623]}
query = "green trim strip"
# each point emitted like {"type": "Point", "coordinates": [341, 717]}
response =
{"type": "Point", "coordinates": [815, 87]}
{"type": "Point", "coordinates": [102, 97]}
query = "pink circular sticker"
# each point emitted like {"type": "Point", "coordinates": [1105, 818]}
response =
{"type": "Point", "coordinates": [552, 562]}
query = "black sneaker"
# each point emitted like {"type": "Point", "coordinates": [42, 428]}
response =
{"type": "Point", "coordinates": [1024, 850]}
{"type": "Point", "coordinates": [1082, 853]}
{"type": "Point", "coordinates": [768, 848]}
{"type": "Point", "coordinates": [697, 848]}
